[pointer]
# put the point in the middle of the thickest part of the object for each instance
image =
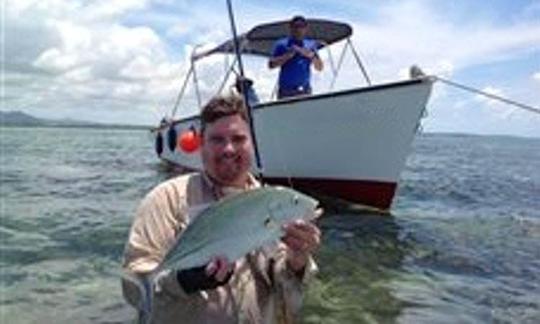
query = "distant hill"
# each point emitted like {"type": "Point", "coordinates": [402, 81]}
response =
{"type": "Point", "coordinates": [19, 118]}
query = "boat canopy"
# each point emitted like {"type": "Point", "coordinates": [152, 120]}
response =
{"type": "Point", "coordinates": [260, 39]}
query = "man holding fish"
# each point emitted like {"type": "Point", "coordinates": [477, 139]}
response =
{"type": "Point", "coordinates": [265, 285]}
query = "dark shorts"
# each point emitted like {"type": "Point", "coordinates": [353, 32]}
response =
{"type": "Point", "coordinates": [284, 93]}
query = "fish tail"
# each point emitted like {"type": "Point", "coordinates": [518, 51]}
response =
{"type": "Point", "coordinates": [144, 285]}
{"type": "Point", "coordinates": [146, 309]}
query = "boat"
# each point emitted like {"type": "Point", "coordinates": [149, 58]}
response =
{"type": "Point", "coordinates": [350, 144]}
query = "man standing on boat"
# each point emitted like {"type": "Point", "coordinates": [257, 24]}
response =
{"type": "Point", "coordinates": [263, 287]}
{"type": "Point", "coordinates": [294, 55]}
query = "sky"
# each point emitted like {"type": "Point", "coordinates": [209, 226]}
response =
{"type": "Point", "coordinates": [123, 61]}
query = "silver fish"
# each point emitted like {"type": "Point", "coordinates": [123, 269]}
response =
{"type": "Point", "coordinates": [231, 227]}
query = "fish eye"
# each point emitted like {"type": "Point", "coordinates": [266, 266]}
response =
{"type": "Point", "coordinates": [268, 222]}
{"type": "Point", "coordinates": [296, 200]}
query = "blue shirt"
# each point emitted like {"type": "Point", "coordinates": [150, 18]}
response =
{"type": "Point", "coordinates": [296, 72]}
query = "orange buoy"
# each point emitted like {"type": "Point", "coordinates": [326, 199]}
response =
{"type": "Point", "coordinates": [189, 141]}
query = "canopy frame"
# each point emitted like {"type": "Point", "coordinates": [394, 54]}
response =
{"type": "Point", "coordinates": [259, 34]}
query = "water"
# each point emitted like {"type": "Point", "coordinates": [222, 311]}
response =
{"type": "Point", "coordinates": [462, 244]}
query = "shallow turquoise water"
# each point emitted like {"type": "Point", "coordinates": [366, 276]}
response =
{"type": "Point", "coordinates": [462, 244]}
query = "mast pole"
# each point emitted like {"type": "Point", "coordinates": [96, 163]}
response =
{"type": "Point", "coordinates": [242, 85]}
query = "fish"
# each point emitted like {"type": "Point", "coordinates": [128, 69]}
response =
{"type": "Point", "coordinates": [231, 227]}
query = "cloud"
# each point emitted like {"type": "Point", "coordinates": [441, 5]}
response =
{"type": "Point", "coordinates": [84, 57]}
{"type": "Point", "coordinates": [410, 32]}
{"type": "Point", "coordinates": [112, 9]}
{"type": "Point", "coordinates": [125, 56]}
{"type": "Point", "coordinates": [536, 76]}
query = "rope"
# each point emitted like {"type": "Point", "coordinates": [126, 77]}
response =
{"type": "Point", "coordinates": [487, 94]}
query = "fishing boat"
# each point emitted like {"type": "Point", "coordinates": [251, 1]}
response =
{"type": "Point", "coordinates": [349, 144]}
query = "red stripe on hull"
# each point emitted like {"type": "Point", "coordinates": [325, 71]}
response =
{"type": "Point", "coordinates": [371, 193]}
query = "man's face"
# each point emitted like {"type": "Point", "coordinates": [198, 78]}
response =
{"type": "Point", "coordinates": [299, 30]}
{"type": "Point", "coordinates": [227, 150]}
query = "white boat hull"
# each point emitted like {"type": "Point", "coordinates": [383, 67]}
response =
{"type": "Point", "coordinates": [350, 144]}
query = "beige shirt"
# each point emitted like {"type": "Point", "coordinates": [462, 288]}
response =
{"type": "Point", "coordinates": [262, 289]}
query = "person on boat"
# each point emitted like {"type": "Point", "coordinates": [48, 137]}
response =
{"type": "Point", "coordinates": [266, 286]}
{"type": "Point", "coordinates": [294, 55]}
{"type": "Point", "coordinates": [244, 84]}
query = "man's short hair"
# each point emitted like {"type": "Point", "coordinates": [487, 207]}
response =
{"type": "Point", "coordinates": [223, 106]}
{"type": "Point", "coordinates": [298, 20]}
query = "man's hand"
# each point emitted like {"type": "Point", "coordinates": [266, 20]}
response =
{"type": "Point", "coordinates": [280, 60]}
{"type": "Point", "coordinates": [219, 268]}
{"type": "Point", "coordinates": [302, 239]}
{"type": "Point", "coordinates": [304, 52]}
{"type": "Point", "coordinates": [215, 274]}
